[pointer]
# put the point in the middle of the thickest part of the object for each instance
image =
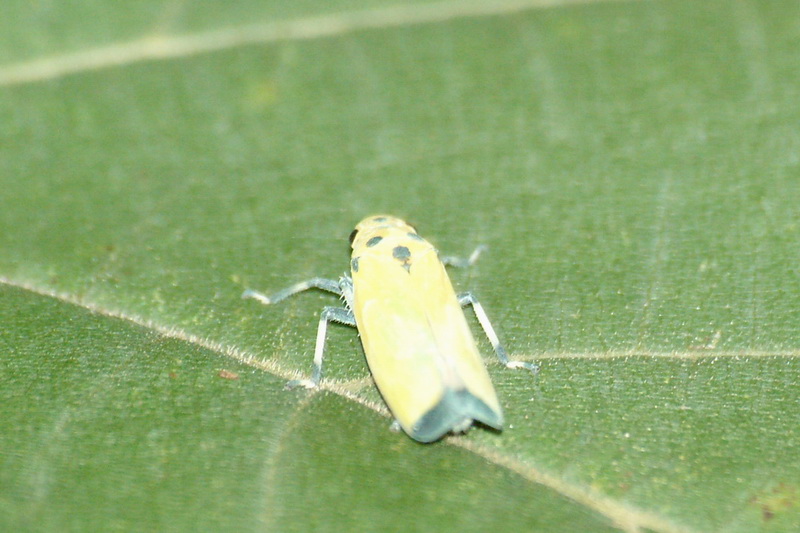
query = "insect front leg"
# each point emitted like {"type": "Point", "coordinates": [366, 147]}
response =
{"type": "Point", "coordinates": [329, 314]}
{"type": "Point", "coordinates": [467, 298]}
{"type": "Point", "coordinates": [464, 262]}
{"type": "Point", "coordinates": [329, 285]}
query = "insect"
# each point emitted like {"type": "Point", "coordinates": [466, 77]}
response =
{"type": "Point", "coordinates": [417, 342]}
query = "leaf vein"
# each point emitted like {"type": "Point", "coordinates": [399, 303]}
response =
{"type": "Point", "coordinates": [160, 46]}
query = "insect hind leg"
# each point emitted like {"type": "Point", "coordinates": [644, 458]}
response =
{"type": "Point", "coordinates": [329, 314]}
{"type": "Point", "coordinates": [467, 298]}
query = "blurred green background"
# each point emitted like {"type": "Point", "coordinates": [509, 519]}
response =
{"type": "Point", "coordinates": [633, 167]}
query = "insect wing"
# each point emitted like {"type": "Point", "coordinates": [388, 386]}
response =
{"type": "Point", "coordinates": [399, 344]}
{"type": "Point", "coordinates": [453, 335]}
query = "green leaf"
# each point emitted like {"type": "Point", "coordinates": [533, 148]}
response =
{"type": "Point", "coordinates": [632, 166]}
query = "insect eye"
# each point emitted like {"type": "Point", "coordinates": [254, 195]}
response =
{"type": "Point", "coordinates": [353, 235]}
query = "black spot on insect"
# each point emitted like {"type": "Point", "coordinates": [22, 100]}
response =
{"type": "Point", "coordinates": [373, 241]}
{"type": "Point", "coordinates": [353, 235]}
{"type": "Point", "coordinates": [415, 236]}
{"type": "Point", "coordinates": [354, 264]}
{"type": "Point", "coordinates": [379, 219]}
{"type": "Point", "coordinates": [401, 253]}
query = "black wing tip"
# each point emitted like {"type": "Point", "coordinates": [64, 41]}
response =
{"type": "Point", "coordinates": [455, 413]}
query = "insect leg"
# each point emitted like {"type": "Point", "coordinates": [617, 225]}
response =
{"type": "Point", "coordinates": [346, 288]}
{"type": "Point", "coordinates": [313, 283]}
{"type": "Point", "coordinates": [467, 298]}
{"type": "Point", "coordinates": [329, 314]}
{"type": "Point", "coordinates": [464, 262]}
